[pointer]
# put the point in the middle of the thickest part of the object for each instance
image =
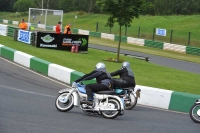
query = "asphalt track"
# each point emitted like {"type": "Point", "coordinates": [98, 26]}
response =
{"type": "Point", "coordinates": [27, 106]}
{"type": "Point", "coordinates": [164, 61]}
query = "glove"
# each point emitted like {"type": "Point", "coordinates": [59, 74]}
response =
{"type": "Point", "coordinates": [74, 84]}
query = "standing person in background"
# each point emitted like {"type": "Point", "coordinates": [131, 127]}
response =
{"type": "Point", "coordinates": [34, 17]}
{"type": "Point", "coordinates": [23, 25]}
{"type": "Point", "coordinates": [58, 28]}
{"type": "Point", "coordinates": [67, 29]}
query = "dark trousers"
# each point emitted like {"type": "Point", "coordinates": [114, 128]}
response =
{"type": "Point", "coordinates": [122, 83]}
{"type": "Point", "coordinates": [94, 88]}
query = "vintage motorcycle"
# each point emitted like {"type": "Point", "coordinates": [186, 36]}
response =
{"type": "Point", "coordinates": [130, 97]}
{"type": "Point", "coordinates": [195, 111]}
{"type": "Point", "coordinates": [106, 103]}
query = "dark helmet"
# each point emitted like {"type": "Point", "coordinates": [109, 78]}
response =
{"type": "Point", "coordinates": [126, 64]}
{"type": "Point", "coordinates": [100, 65]}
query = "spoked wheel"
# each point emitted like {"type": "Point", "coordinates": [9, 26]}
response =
{"type": "Point", "coordinates": [112, 104]}
{"type": "Point", "coordinates": [62, 104]}
{"type": "Point", "coordinates": [130, 100]}
{"type": "Point", "coordinates": [195, 113]}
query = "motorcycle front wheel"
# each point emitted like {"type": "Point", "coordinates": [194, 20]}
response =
{"type": "Point", "coordinates": [195, 113]}
{"type": "Point", "coordinates": [114, 104]}
{"type": "Point", "coordinates": [130, 100]}
{"type": "Point", "coordinates": [64, 105]}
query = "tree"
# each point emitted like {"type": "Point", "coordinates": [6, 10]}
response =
{"type": "Point", "coordinates": [148, 8]}
{"type": "Point", "coordinates": [66, 5]}
{"type": "Point", "coordinates": [23, 5]}
{"type": "Point", "coordinates": [53, 5]}
{"type": "Point", "coordinates": [7, 5]}
{"type": "Point", "coordinates": [120, 11]}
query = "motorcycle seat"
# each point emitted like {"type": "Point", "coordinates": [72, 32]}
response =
{"type": "Point", "coordinates": [106, 92]}
{"type": "Point", "coordinates": [128, 88]}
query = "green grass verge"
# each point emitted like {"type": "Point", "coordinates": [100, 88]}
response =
{"type": "Point", "coordinates": [146, 73]}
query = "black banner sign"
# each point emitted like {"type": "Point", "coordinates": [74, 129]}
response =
{"type": "Point", "coordinates": [62, 41]}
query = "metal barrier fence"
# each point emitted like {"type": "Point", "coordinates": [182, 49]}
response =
{"type": "Point", "coordinates": [174, 36]}
{"type": "Point", "coordinates": [143, 42]}
{"type": "Point", "coordinates": [12, 32]}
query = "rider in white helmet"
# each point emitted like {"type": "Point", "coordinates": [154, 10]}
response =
{"type": "Point", "coordinates": [126, 76]}
{"type": "Point", "coordinates": [103, 78]}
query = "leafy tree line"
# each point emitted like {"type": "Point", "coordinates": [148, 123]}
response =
{"type": "Point", "coordinates": [150, 7]}
{"type": "Point", "coordinates": [171, 7]}
{"type": "Point", "coordinates": [65, 5]}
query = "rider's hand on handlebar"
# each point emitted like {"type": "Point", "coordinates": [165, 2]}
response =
{"type": "Point", "coordinates": [74, 84]}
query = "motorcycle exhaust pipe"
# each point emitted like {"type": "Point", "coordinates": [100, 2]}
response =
{"type": "Point", "coordinates": [110, 110]}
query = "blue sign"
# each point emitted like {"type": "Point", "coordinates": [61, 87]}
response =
{"type": "Point", "coordinates": [24, 36]}
{"type": "Point", "coordinates": [161, 32]}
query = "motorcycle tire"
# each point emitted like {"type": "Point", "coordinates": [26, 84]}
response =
{"type": "Point", "coordinates": [112, 114]}
{"type": "Point", "coordinates": [63, 107]}
{"type": "Point", "coordinates": [195, 113]}
{"type": "Point", "coordinates": [131, 102]}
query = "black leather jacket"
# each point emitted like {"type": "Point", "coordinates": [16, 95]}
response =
{"type": "Point", "coordinates": [125, 73]}
{"type": "Point", "coordinates": [101, 75]}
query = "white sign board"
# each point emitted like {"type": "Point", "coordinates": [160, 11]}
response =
{"type": "Point", "coordinates": [161, 32]}
{"type": "Point", "coordinates": [24, 36]}
{"type": "Point", "coordinates": [3, 29]}
{"type": "Point", "coordinates": [57, 12]}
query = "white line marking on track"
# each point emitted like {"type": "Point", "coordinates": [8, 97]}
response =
{"type": "Point", "coordinates": [35, 72]}
{"type": "Point", "coordinates": [30, 92]}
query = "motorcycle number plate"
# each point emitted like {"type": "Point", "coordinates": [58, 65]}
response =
{"type": "Point", "coordinates": [63, 90]}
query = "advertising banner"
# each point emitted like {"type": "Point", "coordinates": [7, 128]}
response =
{"type": "Point", "coordinates": [161, 32]}
{"type": "Point", "coordinates": [3, 30]}
{"type": "Point", "coordinates": [24, 36]}
{"type": "Point", "coordinates": [62, 41]}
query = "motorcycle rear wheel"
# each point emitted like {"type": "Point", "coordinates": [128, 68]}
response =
{"type": "Point", "coordinates": [195, 113]}
{"type": "Point", "coordinates": [131, 102]}
{"type": "Point", "coordinates": [112, 114]}
{"type": "Point", "coordinates": [63, 107]}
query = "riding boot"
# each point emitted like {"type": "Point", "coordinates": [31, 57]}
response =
{"type": "Point", "coordinates": [88, 102]}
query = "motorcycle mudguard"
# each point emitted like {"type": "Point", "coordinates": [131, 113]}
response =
{"type": "Point", "coordinates": [119, 99]}
{"type": "Point", "coordinates": [75, 95]}
{"type": "Point", "coordinates": [63, 90]}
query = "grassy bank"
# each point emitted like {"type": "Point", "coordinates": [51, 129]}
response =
{"type": "Point", "coordinates": [146, 73]}
{"type": "Point", "coordinates": [181, 26]}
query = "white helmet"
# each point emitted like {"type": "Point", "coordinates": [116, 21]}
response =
{"type": "Point", "coordinates": [126, 64]}
{"type": "Point", "coordinates": [100, 65]}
